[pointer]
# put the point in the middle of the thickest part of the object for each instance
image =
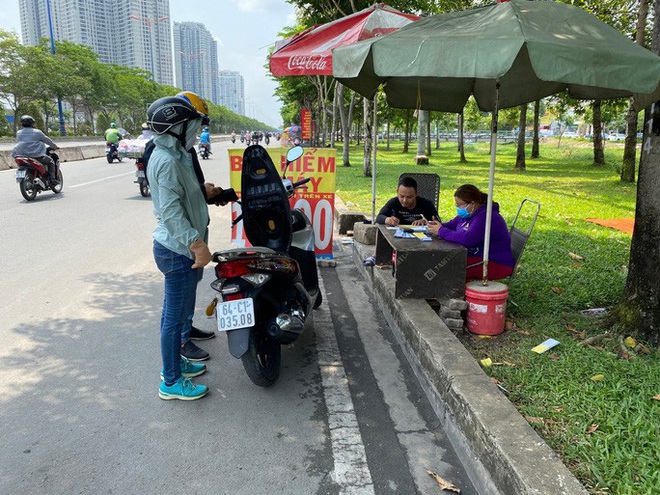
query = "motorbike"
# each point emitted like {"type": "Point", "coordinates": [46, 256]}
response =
{"type": "Point", "coordinates": [111, 152]}
{"type": "Point", "coordinates": [204, 151]}
{"type": "Point", "coordinates": [266, 292]}
{"type": "Point", "coordinates": [141, 178]}
{"type": "Point", "coordinates": [32, 176]}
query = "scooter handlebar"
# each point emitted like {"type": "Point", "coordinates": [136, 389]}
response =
{"type": "Point", "coordinates": [301, 182]}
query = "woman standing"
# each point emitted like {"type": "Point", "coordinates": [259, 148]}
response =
{"type": "Point", "coordinates": [180, 249]}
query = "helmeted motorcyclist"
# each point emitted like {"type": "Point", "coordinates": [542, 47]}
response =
{"type": "Point", "coordinates": [112, 134]}
{"type": "Point", "coordinates": [33, 143]}
{"type": "Point", "coordinates": [205, 139]}
{"type": "Point", "coordinates": [146, 133]}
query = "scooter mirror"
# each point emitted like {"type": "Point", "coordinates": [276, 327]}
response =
{"type": "Point", "coordinates": [294, 153]}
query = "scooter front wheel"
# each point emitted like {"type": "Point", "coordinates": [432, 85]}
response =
{"type": "Point", "coordinates": [58, 188]}
{"type": "Point", "coordinates": [262, 359]}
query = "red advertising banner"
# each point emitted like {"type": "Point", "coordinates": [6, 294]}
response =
{"type": "Point", "coordinates": [306, 124]}
{"type": "Point", "coordinates": [316, 198]}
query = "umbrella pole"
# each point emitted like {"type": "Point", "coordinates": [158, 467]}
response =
{"type": "Point", "coordinates": [491, 180]}
{"type": "Point", "coordinates": [373, 166]}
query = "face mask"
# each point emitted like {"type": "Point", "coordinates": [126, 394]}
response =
{"type": "Point", "coordinates": [191, 133]}
{"type": "Point", "coordinates": [463, 213]}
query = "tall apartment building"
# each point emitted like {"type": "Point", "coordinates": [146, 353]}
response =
{"type": "Point", "coordinates": [196, 60]}
{"type": "Point", "coordinates": [133, 33]}
{"type": "Point", "coordinates": [232, 91]}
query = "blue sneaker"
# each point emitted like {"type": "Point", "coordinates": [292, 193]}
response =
{"type": "Point", "coordinates": [188, 369]}
{"type": "Point", "coordinates": [182, 389]}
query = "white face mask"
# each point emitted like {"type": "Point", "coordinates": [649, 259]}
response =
{"type": "Point", "coordinates": [191, 133]}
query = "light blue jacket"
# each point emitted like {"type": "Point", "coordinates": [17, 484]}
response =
{"type": "Point", "coordinates": [31, 142]}
{"type": "Point", "coordinates": [179, 205]}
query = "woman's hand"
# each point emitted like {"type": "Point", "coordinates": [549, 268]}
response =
{"type": "Point", "coordinates": [434, 226]}
{"type": "Point", "coordinates": [202, 254]}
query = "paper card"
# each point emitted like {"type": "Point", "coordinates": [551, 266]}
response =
{"type": "Point", "coordinates": [544, 346]}
{"type": "Point", "coordinates": [422, 236]}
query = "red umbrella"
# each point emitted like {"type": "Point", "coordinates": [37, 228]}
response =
{"type": "Point", "coordinates": [309, 53]}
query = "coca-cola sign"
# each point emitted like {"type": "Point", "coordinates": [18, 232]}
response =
{"type": "Point", "coordinates": [305, 62]}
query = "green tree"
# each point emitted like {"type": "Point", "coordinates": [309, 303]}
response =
{"type": "Point", "coordinates": [639, 309]}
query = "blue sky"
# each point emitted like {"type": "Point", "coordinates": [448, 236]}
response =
{"type": "Point", "coordinates": [243, 28]}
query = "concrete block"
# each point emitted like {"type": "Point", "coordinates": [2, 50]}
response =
{"type": "Point", "coordinates": [346, 220]}
{"type": "Point", "coordinates": [449, 313]}
{"type": "Point", "coordinates": [454, 322]}
{"type": "Point", "coordinates": [365, 233]}
{"type": "Point", "coordinates": [454, 304]}
{"type": "Point", "coordinates": [70, 154]}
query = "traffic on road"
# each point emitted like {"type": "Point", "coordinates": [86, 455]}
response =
{"type": "Point", "coordinates": [80, 358]}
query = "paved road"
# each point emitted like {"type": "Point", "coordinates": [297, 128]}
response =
{"type": "Point", "coordinates": [80, 360]}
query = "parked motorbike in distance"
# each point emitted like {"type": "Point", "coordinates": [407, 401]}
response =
{"type": "Point", "coordinates": [32, 176]}
{"type": "Point", "coordinates": [266, 292]}
{"type": "Point", "coordinates": [204, 151]}
{"type": "Point", "coordinates": [141, 178]}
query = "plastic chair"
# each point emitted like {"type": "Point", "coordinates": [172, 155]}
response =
{"type": "Point", "coordinates": [428, 185]}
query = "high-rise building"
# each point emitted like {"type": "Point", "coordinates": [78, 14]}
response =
{"type": "Point", "coordinates": [196, 60]}
{"type": "Point", "coordinates": [232, 91]}
{"type": "Point", "coordinates": [133, 33]}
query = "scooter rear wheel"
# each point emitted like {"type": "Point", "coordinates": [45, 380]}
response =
{"type": "Point", "coordinates": [144, 190]}
{"type": "Point", "coordinates": [262, 359]}
{"type": "Point", "coordinates": [28, 187]}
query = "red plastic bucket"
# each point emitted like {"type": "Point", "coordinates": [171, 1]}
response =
{"type": "Point", "coordinates": [486, 311]}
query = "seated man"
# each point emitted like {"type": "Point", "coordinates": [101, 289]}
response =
{"type": "Point", "coordinates": [407, 208]}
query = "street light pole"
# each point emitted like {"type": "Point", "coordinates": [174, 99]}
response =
{"type": "Point", "coordinates": [52, 51]}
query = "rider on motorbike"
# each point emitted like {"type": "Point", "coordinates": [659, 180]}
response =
{"type": "Point", "coordinates": [32, 143]}
{"type": "Point", "coordinates": [112, 134]}
{"type": "Point", "coordinates": [205, 139]}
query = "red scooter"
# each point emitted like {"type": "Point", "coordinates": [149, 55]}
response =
{"type": "Point", "coordinates": [32, 176]}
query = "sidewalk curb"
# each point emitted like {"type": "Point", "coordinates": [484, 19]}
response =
{"type": "Point", "coordinates": [507, 455]}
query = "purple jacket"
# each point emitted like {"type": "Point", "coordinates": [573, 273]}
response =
{"type": "Point", "coordinates": [470, 233]}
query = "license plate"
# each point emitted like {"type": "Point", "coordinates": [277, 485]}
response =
{"type": "Point", "coordinates": [235, 314]}
{"type": "Point", "coordinates": [20, 174]}
{"type": "Point", "coordinates": [140, 174]}
{"type": "Point", "coordinates": [107, 150]}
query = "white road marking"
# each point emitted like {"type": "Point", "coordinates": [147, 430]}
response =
{"type": "Point", "coordinates": [100, 180]}
{"type": "Point", "coordinates": [351, 471]}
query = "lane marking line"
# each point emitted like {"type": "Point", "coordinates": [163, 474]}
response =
{"type": "Point", "coordinates": [351, 471]}
{"type": "Point", "coordinates": [100, 180]}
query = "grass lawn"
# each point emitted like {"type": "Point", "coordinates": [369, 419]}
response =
{"type": "Point", "coordinates": [596, 401]}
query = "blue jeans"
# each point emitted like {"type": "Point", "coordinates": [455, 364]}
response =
{"type": "Point", "coordinates": [178, 306]}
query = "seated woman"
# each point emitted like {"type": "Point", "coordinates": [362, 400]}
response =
{"type": "Point", "coordinates": [468, 228]}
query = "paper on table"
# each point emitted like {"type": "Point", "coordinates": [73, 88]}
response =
{"type": "Point", "coordinates": [403, 235]}
{"type": "Point", "coordinates": [416, 228]}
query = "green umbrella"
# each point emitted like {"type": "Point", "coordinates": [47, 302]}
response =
{"type": "Point", "coordinates": [505, 55]}
{"type": "Point", "coordinates": [532, 48]}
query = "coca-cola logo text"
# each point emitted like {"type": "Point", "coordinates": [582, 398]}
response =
{"type": "Point", "coordinates": [306, 62]}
